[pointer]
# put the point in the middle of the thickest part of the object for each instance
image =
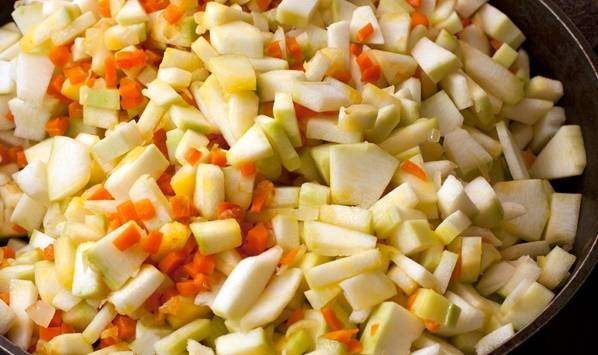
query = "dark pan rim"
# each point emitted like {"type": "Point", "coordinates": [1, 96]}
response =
{"type": "Point", "coordinates": [590, 259]}
{"type": "Point", "coordinates": [586, 265]}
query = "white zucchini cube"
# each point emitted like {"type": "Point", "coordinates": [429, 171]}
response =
{"type": "Point", "coordinates": [359, 173]}
{"type": "Point", "coordinates": [131, 296]}
{"type": "Point", "coordinates": [238, 38]}
{"type": "Point", "coordinates": [367, 290]}
{"type": "Point", "coordinates": [564, 216]}
{"type": "Point", "coordinates": [567, 142]}
{"type": "Point", "coordinates": [243, 286]}
{"type": "Point", "coordinates": [234, 72]}
{"type": "Point", "coordinates": [434, 60]}
{"type": "Point", "coordinates": [295, 12]}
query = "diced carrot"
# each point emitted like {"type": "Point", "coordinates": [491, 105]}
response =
{"type": "Point", "coordinates": [55, 85]}
{"type": "Point", "coordinates": [356, 49]}
{"type": "Point", "coordinates": [12, 153]}
{"type": "Point", "coordinates": [204, 264]}
{"type": "Point", "coordinates": [9, 253]}
{"type": "Point", "coordinates": [331, 320]}
{"type": "Point", "coordinates": [114, 221]}
{"type": "Point", "coordinates": [100, 193]}
{"type": "Point", "coordinates": [297, 315]}
{"type": "Point", "coordinates": [20, 230]}
{"type": "Point", "coordinates": [126, 327]}
{"type": "Point", "coordinates": [354, 346]}
{"type": "Point", "coordinates": [261, 195]}
{"type": "Point", "coordinates": [152, 242]}
{"type": "Point", "coordinates": [431, 325]}
{"type": "Point", "coordinates": [9, 116]}
{"type": "Point", "coordinates": [189, 269]}
{"type": "Point", "coordinates": [173, 13]}
{"type": "Point", "coordinates": [218, 157]}
{"type": "Point", "coordinates": [494, 43]}
{"type": "Point", "coordinates": [5, 296]}
{"type": "Point", "coordinates": [256, 240]}
{"type": "Point", "coordinates": [76, 74]}
{"type": "Point", "coordinates": [152, 57]}
{"type": "Point", "coordinates": [75, 110]}
{"type": "Point", "coordinates": [104, 6]}
{"type": "Point", "coordinates": [190, 247]}
{"type": "Point", "coordinates": [159, 139]}
{"type": "Point", "coordinates": [411, 301]}
{"type": "Point", "coordinates": [86, 65]}
{"type": "Point", "coordinates": [127, 212]}
{"type": "Point", "coordinates": [130, 59]}
{"type": "Point", "coordinates": [21, 159]}
{"type": "Point", "coordinates": [411, 168]}
{"type": "Point", "coordinates": [145, 209]}
{"type": "Point", "coordinates": [457, 270]}
{"type": "Point", "coordinates": [343, 75]}
{"type": "Point", "coordinates": [129, 237]}
{"type": "Point", "coordinates": [263, 4]}
{"type": "Point", "coordinates": [91, 80]}
{"type": "Point", "coordinates": [342, 335]}
{"type": "Point", "coordinates": [417, 18]}
{"type": "Point", "coordinates": [164, 183]}
{"type": "Point", "coordinates": [289, 257]}
{"type": "Point", "coordinates": [130, 89]}
{"type": "Point", "coordinates": [180, 206]}
{"type": "Point", "coordinates": [294, 49]}
{"type": "Point", "coordinates": [248, 169]}
{"type": "Point", "coordinates": [227, 210]}
{"type": "Point", "coordinates": [3, 154]}
{"type": "Point", "coordinates": [415, 3]}
{"type": "Point", "coordinates": [110, 72]}
{"type": "Point", "coordinates": [202, 281]}
{"type": "Point", "coordinates": [47, 334]}
{"type": "Point", "coordinates": [192, 156]}
{"type": "Point", "coordinates": [171, 261]}
{"type": "Point", "coordinates": [60, 55]}
{"type": "Point", "coordinates": [56, 319]}
{"type": "Point", "coordinates": [371, 74]}
{"type": "Point", "coordinates": [364, 61]}
{"type": "Point", "coordinates": [266, 108]}
{"type": "Point", "coordinates": [49, 252]}
{"type": "Point", "coordinates": [303, 113]}
{"type": "Point", "coordinates": [273, 49]}
{"type": "Point", "coordinates": [153, 302]}
{"type": "Point", "coordinates": [66, 328]}
{"type": "Point", "coordinates": [529, 158]}
{"type": "Point", "coordinates": [418, 72]}
{"type": "Point", "coordinates": [57, 126]}
{"type": "Point", "coordinates": [374, 329]}
{"type": "Point", "coordinates": [130, 103]}
{"type": "Point", "coordinates": [154, 5]}
{"type": "Point", "coordinates": [365, 32]}
{"type": "Point", "coordinates": [187, 288]}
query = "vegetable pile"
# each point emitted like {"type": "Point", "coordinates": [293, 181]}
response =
{"type": "Point", "coordinates": [251, 177]}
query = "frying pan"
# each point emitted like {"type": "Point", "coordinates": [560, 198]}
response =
{"type": "Point", "coordinates": [557, 50]}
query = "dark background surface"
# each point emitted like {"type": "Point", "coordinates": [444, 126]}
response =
{"type": "Point", "coordinates": [574, 329]}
